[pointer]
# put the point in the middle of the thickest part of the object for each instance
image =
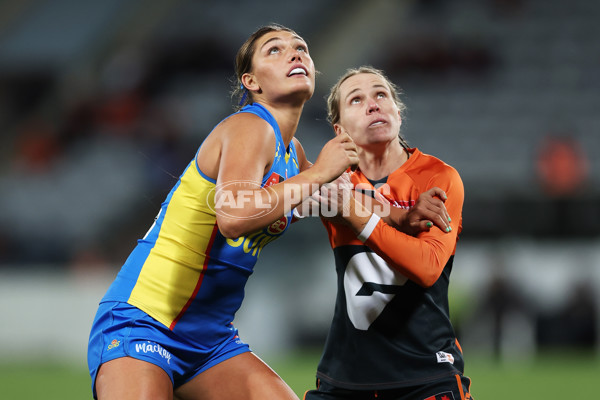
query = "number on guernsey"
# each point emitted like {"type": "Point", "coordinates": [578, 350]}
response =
{"type": "Point", "coordinates": [370, 284]}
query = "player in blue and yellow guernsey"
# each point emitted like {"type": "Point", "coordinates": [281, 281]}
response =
{"type": "Point", "coordinates": [164, 328]}
{"type": "Point", "coordinates": [391, 335]}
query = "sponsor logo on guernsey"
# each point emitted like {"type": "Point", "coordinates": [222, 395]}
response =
{"type": "Point", "coordinates": [113, 344]}
{"type": "Point", "coordinates": [443, 357]}
{"type": "Point", "coordinates": [277, 227]}
{"type": "Point", "coordinates": [150, 347]}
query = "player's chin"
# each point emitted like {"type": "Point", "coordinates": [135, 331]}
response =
{"type": "Point", "coordinates": [302, 93]}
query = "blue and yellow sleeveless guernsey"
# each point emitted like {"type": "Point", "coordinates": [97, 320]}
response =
{"type": "Point", "coordinates": [184, 273]}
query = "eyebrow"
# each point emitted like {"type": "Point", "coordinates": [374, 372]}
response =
{"type": "Point", "coordinates": [274, 38]}
{"type": "Point", "coordinates": [379, 85]}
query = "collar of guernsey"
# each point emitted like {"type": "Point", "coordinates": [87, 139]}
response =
{"type": "Point", "coordinates": [183, 257]}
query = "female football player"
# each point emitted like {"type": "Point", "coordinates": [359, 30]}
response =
{"type": "Point", "coordinates": [391, 336]}
{"type": "Point", "coordinates": [164, 328]}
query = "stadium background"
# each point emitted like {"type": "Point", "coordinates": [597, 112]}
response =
{"type": "Point", "coordinates": [103, 103]}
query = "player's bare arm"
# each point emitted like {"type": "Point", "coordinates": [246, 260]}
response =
{"type": "Point", "coordinates": [247, 151]}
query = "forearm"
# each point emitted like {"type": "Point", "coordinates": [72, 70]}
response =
{"type": "Point", "coordinates": [248, 209]}
{"type": "Point", "coordinates": [420, 259]}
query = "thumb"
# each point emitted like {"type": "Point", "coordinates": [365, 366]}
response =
{"type": "Point", "coordinates": [421, 226]}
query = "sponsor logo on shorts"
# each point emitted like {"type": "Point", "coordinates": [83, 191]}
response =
{"type": "Point", "coordinates": [443, 357]}
{"type": "Point", "coordinates": [113, 344]}
{"type": "Point", "coordinates": [150, 347]}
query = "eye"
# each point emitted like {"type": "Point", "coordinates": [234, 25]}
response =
{"type": "Point", "coordinates": [355, 100]}
{"type": "Point", "coordinates": [381, 95]}
{"type": "Point", "coordinates": [302, 48]}
{"type": "Point", "coordinates": [273, 50]}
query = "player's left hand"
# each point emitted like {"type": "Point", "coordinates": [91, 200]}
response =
{"type": "Point", "coordinates": [429, 211]}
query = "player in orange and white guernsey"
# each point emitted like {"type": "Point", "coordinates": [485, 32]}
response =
{"type": "Point", "coordinates": [391, 335]}
{"type": "Point", "coordinates": [164, 328]}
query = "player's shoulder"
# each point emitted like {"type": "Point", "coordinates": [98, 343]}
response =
{"type": "Point", "coordinates": [244, 122]}
{"type": "Point", "coordinates": [434, 164]}
{"type": "Point", "coordinates": [244, 126]}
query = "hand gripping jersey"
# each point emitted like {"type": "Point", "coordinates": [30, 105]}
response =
{"type": "Point", "coordinates": [388, 331]}
{"type": "Point", "coordinates": [184, 273]}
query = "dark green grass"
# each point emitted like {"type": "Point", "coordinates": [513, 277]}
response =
{"type": "Point", "coordinates": [550, 376]}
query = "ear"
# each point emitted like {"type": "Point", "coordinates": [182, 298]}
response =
{"type": "Point", "coordinates": [337, 128]}
{"type": "Point", "coordinates": [249, 82]}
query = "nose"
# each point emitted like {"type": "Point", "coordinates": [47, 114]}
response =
{"type": "Point", "coordinates": [372, 106]}
{"type": "Point", "coordinates": [295, 56]}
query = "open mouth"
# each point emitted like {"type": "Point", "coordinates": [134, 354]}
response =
{"type": "Point", "coordinates": [297, 71]}
{"type": "Point", "coordinates": [377, 123]}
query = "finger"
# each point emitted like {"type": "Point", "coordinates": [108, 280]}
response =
{"type": "Point", "coordinates": [436, 191]}
{"type": "Point", "coordinates": [344, 137]}
{"type": "Point", "coordinates": [436, 219]}
{"type": "Point", "coordinates": [446, 213]}
{"type": "Point", "coordinates": [316, 196]}
{"type": "Point", "coordinates": [441, 222]}
{"type": "Point", "coordinates": [441, 209]}
{"type": "Point", "coordinates": [437, 206]}
{"type": "Point", "coordinates": [349, 146]}
{"type": "Point", "coordinates": [420, 227]}
{"type": "Point", "coordinates": [324, 193]}
{"type": "Point", "coordinates": [346, 177]}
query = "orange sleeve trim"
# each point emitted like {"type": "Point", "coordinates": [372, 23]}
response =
{"type": "Point", "coordinates": [460, 388]}
{"type": "Point", "coordinates": [458, 345]}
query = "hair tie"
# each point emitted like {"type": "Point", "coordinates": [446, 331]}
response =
{"type": "Point", "coordinates": [243, 95]}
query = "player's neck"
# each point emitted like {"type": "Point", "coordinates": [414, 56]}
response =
{"type": "Point", "coordinates": [287, 117]}
{"type": "Point", "coordinates": [377, 163]}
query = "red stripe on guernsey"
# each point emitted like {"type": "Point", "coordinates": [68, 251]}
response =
{"type": "Point", "coordinates": [199, 283]}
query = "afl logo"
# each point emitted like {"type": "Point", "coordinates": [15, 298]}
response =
{"type": "Point", "coordinates": [277, 227]}
{"type": "Point", "coordinates": [226, 197]}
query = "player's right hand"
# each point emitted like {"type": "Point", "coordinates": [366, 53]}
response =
{"type": "Point", "coordinates": [336, 157]}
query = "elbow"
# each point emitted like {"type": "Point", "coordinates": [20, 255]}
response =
{"type": "Point", "coordinates": [428, 279]}
{"type": "Point", "coordinates": [231, 228]}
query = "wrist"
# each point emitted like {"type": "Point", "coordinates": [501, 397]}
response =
{"type": "Point", "coordinates": [314, 176]}
{"type": "Point", "coordinates": [358, 215]}
{"type": "Point", "coordinates": [368, 228]}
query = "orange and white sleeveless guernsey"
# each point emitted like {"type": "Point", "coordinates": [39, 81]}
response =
{"type": "Point", "coordinates": [184, 273]}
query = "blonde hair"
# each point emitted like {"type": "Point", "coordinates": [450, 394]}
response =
{"type": "Point", "coordinates": [333, 100]}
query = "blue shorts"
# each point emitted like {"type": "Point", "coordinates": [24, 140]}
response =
{"type": "Point", "coordinates": [122, 330]}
